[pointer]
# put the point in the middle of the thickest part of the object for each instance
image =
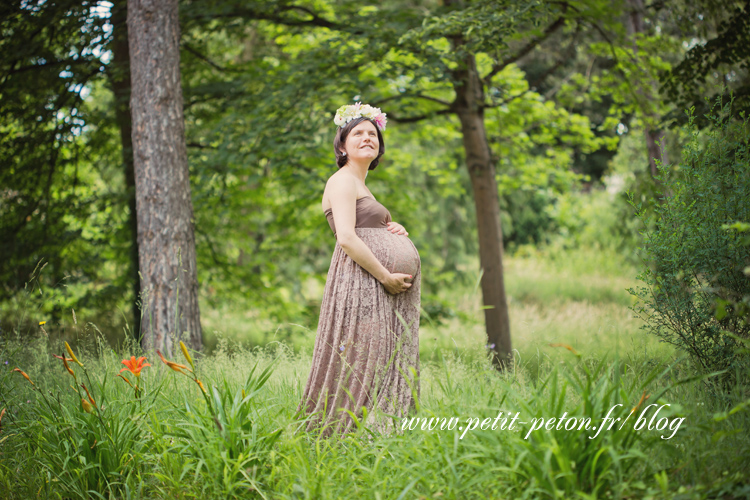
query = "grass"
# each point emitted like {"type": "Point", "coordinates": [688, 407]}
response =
{"type": "Point", "coordinates": [578, 298]}
{"type": "Point", "coordinates": [247, 445]}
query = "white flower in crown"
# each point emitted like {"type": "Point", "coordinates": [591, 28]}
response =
{"type": "Point", "coordinates": [345, 114]}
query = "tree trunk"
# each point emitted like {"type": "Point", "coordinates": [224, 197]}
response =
{"type": "Point", "coordinates": [653, 134]}
{"type": "Point", "coordinates": [166, 239]}
{"type": "Point", "coordinates": [119, 79]}
{"type": "Point", "coordinates": [469, 107]}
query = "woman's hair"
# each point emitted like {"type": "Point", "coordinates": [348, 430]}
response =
{"type": "Point", "coordinates": [340, 140]}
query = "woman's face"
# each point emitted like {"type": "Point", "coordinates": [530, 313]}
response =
{"type": "Point", "coordinates": [362, 142]}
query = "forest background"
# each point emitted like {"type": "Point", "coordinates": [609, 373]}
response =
{"type": "Point", "coordinates": [595, 113]}
{"type": "Point", "coordinates": [584, 91]}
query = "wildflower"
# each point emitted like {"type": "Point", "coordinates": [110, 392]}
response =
{"type": "Point", "coordinates": [342, 348]}
{"type": "Point", "coordinates": [86, 406]}
{"type": "Point", "coordinates": [126, 380]}
{"type": "Point", "coordinates": [643, 398]}
{"type": "Point", "coordinates": [134, 366]}
{"type": "Point", "coordinates": [42, 323]}
{"type": "Point", "coordinates": [67, 366]}
{"type": "Point", "coordinates": [24, 375]}
{"type": "Point", "coordinates": [567, 347]}
{"type": "Point", "coordinates": [70, 351]}
{"type": "Point", "coordinates": [6, 362]}
{"type": "Point", "coordinates": [186, 354]}
{"type": "Point", "coordinates": [175, 366]}
{"type": "Point", "coordinates": [88, 394]}
{"type": "Point", "coordinates": [490, 346]}
{"type": "Point", "coordinates": [1, 419]}
{"type": "Point", "coordinates": [201, 386]}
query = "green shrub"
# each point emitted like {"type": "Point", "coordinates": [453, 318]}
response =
{"type": "Point", "coordinates": [695, 264]}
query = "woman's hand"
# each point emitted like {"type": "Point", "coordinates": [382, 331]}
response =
{"type": "Point", "coordinates": [396, 228]}
{"type": "Point", "coordinates": [396, 283]}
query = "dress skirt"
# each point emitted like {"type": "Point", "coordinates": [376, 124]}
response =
{"type": "Point", "coordinates": [366, 354]}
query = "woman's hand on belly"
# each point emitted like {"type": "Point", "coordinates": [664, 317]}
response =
{"type": "Point", "coordinates": [396, 283]}
{"type": "Point", "coordinates": [396, 228]}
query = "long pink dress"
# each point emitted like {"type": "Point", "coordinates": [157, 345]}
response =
{"type": "Point", "coordinates": [366, 354]}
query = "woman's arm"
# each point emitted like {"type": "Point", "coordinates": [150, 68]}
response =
{"type": "Point", "coordinates": [342, 191]}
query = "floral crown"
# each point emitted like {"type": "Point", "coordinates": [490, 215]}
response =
{"type": "Point", "coordinates": [345, 114]}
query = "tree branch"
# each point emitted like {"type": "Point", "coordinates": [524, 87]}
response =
{"type": "Point", "coordinates": [49, 64]}
{"type": "Point", "coordinates": [533, 85]}
{"type": "Point", "coordinates": [198, 145]}
{"type": "Point", "coordinates": [528, 47]}
{"type": "Point", "coordinates": [200, 56]}
{"type": "Point", "coordinates": [414, 119]}
{"type": "Point", "coordinates": [416, 95]}
{"type": "Point", "coordinates": [214, 254]}
{"type": "Point", "coordinates": [276, 16]}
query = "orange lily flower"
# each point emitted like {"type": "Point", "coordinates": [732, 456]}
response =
{"type": "Point", "coordinates": [134, 366]}
{"type": "Point", "coordinates": [60, 357]}
{"type": "Point", "coordinates": [24, 375]}
{"type": "Point", "coordinates": [1, 418]}
{"type": "Point", "coordinates": [175, 366]}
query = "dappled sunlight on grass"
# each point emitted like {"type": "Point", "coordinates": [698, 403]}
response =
{"type": "Point", "coordinates": [550, 302]}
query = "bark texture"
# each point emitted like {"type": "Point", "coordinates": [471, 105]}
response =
{"type": "Point", "coordinates": [469, 106]}
{"type": "Point", "coordinates": [119, 80]}
{"type": "Point", "coordinates": [653, 133]}
{"type": "Point", "coordinates": [166, 239]}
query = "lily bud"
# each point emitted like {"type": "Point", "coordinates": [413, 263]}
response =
{"type": "Point", "coordinates": [70, 351]}
{"type": "Point", "coordinates": [126, 380]}
{"type": "Point", "coordinates": [175, 366]}
{"type": "Point", "coordinates": [24, 375]}
{"type": "Point", "coordinates": [67, 367]}
{"type": "Point", "coordinates": [88, 394]}
{"type": "Point", "coordinates": [201, 386]}
{"type": "Point", "coordinates": [186, 354]}
{"type": "Point", "coordinates": [86, 406]}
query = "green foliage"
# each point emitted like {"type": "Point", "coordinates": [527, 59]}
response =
{"type": "Point", "coordinates": [225, 448]}
{"type": "Point", "coordinates": [574, 297]}
{"type": "Point", "coordinates": [54, 200]}
{"type": "Point", "coordinates": [104, 440]}
{"type": "Point", "coordinates": [564, 463]}
{"type": "Point", "coordinates": [714, 65]}
{"type": "Point", "coordinates": [90, 440]}
{"type": "Point", "coordinates": [694, 262]}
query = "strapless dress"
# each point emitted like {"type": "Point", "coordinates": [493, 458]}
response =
{"type": "Point", "coordinates": [366, 354]}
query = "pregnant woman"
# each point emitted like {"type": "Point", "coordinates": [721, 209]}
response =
{"type": "Point", "coordinates": [366, 355]}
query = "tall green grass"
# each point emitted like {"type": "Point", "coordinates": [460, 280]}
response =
{"type": "Point", "coordinates": [241, 438]}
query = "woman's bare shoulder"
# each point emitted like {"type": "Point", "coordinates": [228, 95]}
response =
{"type": "Point", "coordinates": [338, 183]}
{"type": "Point", "coordinates": [341, 179]}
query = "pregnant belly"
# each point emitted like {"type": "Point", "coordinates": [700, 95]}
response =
{"type": "Point", "coordinates": [397, 253]}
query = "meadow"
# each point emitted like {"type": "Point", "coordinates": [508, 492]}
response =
{"type": "Point", "coordinates": [240, 437]}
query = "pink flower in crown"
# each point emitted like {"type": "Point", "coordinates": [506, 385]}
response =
{"type": "Point", "coordinates": [380, 121]}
